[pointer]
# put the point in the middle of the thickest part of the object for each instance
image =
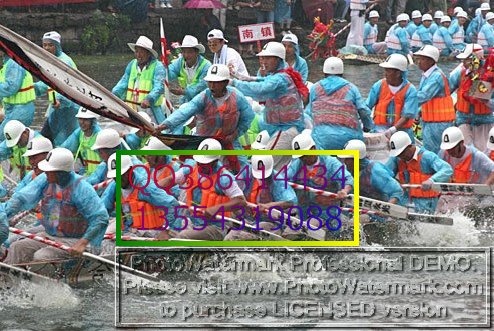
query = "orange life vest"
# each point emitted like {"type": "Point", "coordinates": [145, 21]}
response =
{"type": "Point", "coordinates": [439, 109]}
{"type": "Point", "coordinates": [491, 155]}
{"type": "Point", "coordinates": [219, 121]}
{"type": "Point", "coordinates": [209, 197]}
{"type": "Point", "coordinates": [333, 109]}
{"type": "Point", "coordinates": [152, 219]}
{"type": "Point", "coordinates": [463, 105]}
{"type": "Point", "coordinates": [381, 114]}
{"type": "Point", "coordinates": [416, 177]}
{"type": "Point", "coordinates": [258, 194]}
{"type": "Point", "coordinates": [463, 172]}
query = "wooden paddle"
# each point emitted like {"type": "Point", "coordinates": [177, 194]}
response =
{"type": "Point", "coordinates": [456, 188]}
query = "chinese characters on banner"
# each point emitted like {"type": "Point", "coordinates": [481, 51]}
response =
{"type": "Point", "coordinates": [256, 32]}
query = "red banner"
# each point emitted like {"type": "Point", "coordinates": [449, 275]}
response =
{"type": "Point", "coordinates": [26, 3]}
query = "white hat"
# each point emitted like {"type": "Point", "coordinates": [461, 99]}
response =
{"type": "Point", "coordinates": [438, 14]}
{"type": "Point", "coordinates": [53, 35]}
{"type": "Point", "coordinates": [145, 43]}
{"type": "Point", "coordinates": [489, 16]}
{"type": "Point", "coordinates": [427, 17]}
{"type": "Point", "coordinates": [395, 61]}
{"type": "Point", "coordinates": [398, 142]}
{"type": "Point", "coordinates": [192, 42]}
{"type": "Point", "coordinates": [261, 140]}
{"type": "Point", "coordinates": [373, 13]}
{"type": "Point", "coordinates": [262, 166]}
{"type": "Point", "coordinates": [208, 144]}
{"type": "Point", "coordinates": [471, 49]}
{"type": "Point", "coordinates": [273, 48]}
{"type": "Point", "coordinates": [302, 142]}
{"type": "Point", "coordinates": [106, 138]}
{"type": "Point", "coordinates": [85, 113]}
{"type": "Point", "coordinates": [451, 137]}
{"type": "Point", "coordinates": [125, 165]}
{"type": "Point", "coordinates": [291, 38]}
{"type": "Point", "coordinates": [145, 116]}
{"type": "Point", "coordinates": [402, 17]}
{"type": "Point", "coordinates": [216, 34]}
{"type": "Point", "coordinates": [58, 159]}
{"type": "Point", "coordinates": [490, 141]}
{"type": "Point", "coordinates": [12, 132]}
{"type": "Point", "coordinates": [416, 14]}
{"type": "Point", "coordinates": [429, 51]}
{"type": "Point", "coordinates": [462, 14]}
{"type": "Point", "coordinates": [445, 18]}
{"type": "Point", "coordinates": [485, 6]}
{"type": "Point", "coordinates": [218, 73]}
{"type": "Point", "coordinates": [38, 145]}
{"type": "Point", "coordinates": [154, 144]}
{"type": "Point", "coordinates": [457, 10]}
{"type": "Point", "coordinates": [355, 144]}
{"type": "Point", "coordinates": [333, 66]}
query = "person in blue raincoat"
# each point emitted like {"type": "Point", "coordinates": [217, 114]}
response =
{"type": "Point", "coordinates": [284, 93]}
{"type": "Point", "coordinates": [337, 109]}
{"type": "Point", "coordinates": [322, 172]}
{"type": "Point", "coordinates": [142, 209]}
{"type": "Point", "coordinates": [442, 39]}
{"type": "Point", "coordinates": [485, 38]}
{"type": "Point", "coordinates": [423, 34]}
{"type": "Point", "coordinates": [293, 58]}
{"type": "Point", "coordinates": [37, 150]}
{"type": "Point", "coordinates": [417, 166]}
{"type": "Point", "coordinates": [72, 212]}
{"type": "Point", "coordinates": [477, 22]}
{"type": "Point", "coordinates": [16, 93]}
{"type": "Point", "coordinates": [398, 39]}
{"type": "Point", "coordinates": [457, 31]}
{"type": "Point", "coordinates": [107, 142]}
{"type": "Point", "coordinates": [188, 70]}
{"type": "Point", "coordinates": [394, 98]}
{"type": "Point", "coordinates": [141, 86]}
{"type": "Point", "coordinates": [437, 21]}
{"type": "Point", "coordinates": [82, 139]}
{"type": "Point", "coordinates": [434, 98]}
{"type": "Point", "coordinates": [221, 112]}
{"type": "Point", "coordinates": [371, 33]}
{"type": "Point", "coordinates": [17, 138]}
{"type": "Point", "coordinates": [414, 23]}
{"type": "Point", "coordinates": [61, 121]}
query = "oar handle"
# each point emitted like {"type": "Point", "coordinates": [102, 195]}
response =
{"type": "Point", "coordinates": [102, 185]}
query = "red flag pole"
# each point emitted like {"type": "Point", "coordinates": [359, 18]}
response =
{"type": "Point", "coordinates": [164, 60]}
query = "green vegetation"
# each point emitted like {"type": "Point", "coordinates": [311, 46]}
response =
{"type": "Point", "coordinates": [101, 32]}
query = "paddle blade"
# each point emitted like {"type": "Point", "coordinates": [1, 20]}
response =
{"type": "Point", "coordinates": [431, 219]}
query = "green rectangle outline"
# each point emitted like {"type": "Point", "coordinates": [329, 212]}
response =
{"type": "Point", "coordinates": [345, 243]}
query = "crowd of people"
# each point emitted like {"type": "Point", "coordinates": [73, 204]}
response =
{"type": "Point", "coordinates": [65, 166]}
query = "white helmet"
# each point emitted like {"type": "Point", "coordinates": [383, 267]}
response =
{"type": "Point", "coordinates": [489, 16]}
{"type": "Point", "coordinates": [373, 14]}
{"type": "Point", "coordinates": [398, 142]}
{"type": "Point", "coordinates": [154, 144]}
{"type": "Point", "coordinates": [471, 49]}
{"type": "Point", "coordinates": [261, 140]}
{"type": "Point", "coordinates": [457, 10]}
{"type": "Point", "coordinates": [12, 132]}
{"type": "Point", "coordinates": [217, 73]}
{"type": "Point", "coordinates": [38, 145]}
{"type": "Point", "coordinates": [451, 137]}
{"type": "Point", "coordinates": [427, 17]}
{"type": "Point", "coordinates": [85, 113]}
{"type": "Point", "coordinates": [402, 17]}
{"type": "Point", "coordinates": [208, 144]}
{"type": "Point", "coordinates": [490, 142]}
{"type": "Point", "coordinates": [416, 14]}
{"type": "Point", "coordinates": [429, 51]}
{"type": "Point", "coordinates": [273, 48]}
{"type": "Point", "coordinates": [462, 14]}
{"type": "Point", "coordinates": [145, 116]}
{"type": "Point", "coordinates": [291, 38]}
{"type": "Point", "coordinates": [260, 162]}
{"type": "Point", "coordinates": [355, 144]}
{"type": "Point", "coordinates": [485, 6]}
{"type": "Point", "coordinates": [333, 66]}
{"type": "Point", "coordinates": [125, 165]}
{"type": "Point", "coordinates": [395, 61]}
{"type": "Point", "coordinates": [106, 138]}
{"type": "Point", "coordinates": [445, 18]}
{"type": "Point", "coordinates": [438, 14]}
{"type": "Point", "coordinates": [302, 142]}
{"type": "Point", "coordinates": [58, 159]}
